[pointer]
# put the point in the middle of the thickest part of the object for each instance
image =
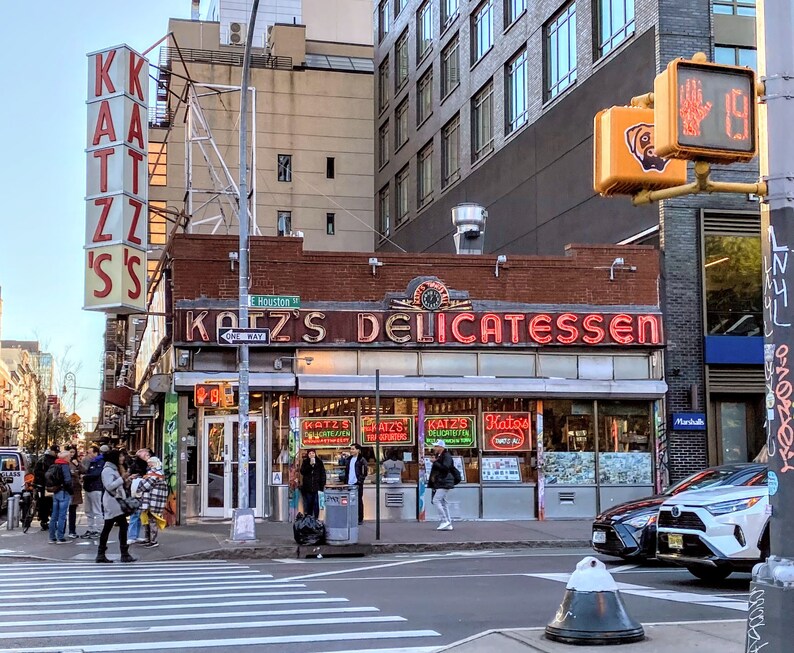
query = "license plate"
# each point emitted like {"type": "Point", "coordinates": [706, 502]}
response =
{"type": "Point", "coordinates": [675, 541]}
{"type": "Point", "coordinates": [599, 537]}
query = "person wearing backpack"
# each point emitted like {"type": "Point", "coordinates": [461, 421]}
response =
{"type": "Point", "coordinates": [92, 487]}
{"type": "Point", "coordinates": [44, 500]}
{"type": "Point", "coordinates": [443, 476]}
{"type": "Point", "coordinates": [58, 482]}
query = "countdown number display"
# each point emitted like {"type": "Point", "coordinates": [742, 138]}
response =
{"type": "Point", "coordinates": [706, 112]}
{"type": "Point", "coordinates": [207, 395]}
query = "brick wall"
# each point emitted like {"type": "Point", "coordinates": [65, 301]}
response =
{"type": "Point", "coordinates": [202, 269]}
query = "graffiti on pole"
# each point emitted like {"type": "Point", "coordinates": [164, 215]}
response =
{"type": "Point", "coordinates": [775, 268]}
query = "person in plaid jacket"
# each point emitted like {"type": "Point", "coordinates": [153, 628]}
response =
{"type": "Point", "coordinates": [153, 500]}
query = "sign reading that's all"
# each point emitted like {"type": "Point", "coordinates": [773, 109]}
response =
{"type": "Point", "coordinates": [393, 429]}
{"type": "Point", "coordinates": [507, 432]}
{"type": "Point", "coordinates": [326, 432]}
{"type": "Point", "coordinates": [117, 187]}
{"type": "Point", "coordinates": [457, 431]}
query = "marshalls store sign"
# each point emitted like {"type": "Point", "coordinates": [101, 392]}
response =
{"type": "Point", "coordinates": [117, 185]}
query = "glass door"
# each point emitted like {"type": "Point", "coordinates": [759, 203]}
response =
{"type": "Point", "coordinates": [219, 472]}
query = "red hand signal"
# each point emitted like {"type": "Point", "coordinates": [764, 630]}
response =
{"type": "Point", "coordinates": [691, 107]}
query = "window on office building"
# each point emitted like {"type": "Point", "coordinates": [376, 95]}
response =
{"type": "Point", "coordinates": [424, 29]}
{"type": "Point", "coordinates": [516, 75]}
{"type": "Point", "coordinates": [560, 51]}
{"type": "Point", "coordinates": [450, 66]}
{"type": "Point", "coordinates": [424, 175]}
{"type": "Point", "coordinates": [158, 225]}
{"type": "Point", "coordinates": [734, 7]}
{"type": "Point", "coordinates": [424, 97]}
{"type": "Point", "coordinates": [284, 223]}
{"type": "Point", "coordinates": [158, 164]}
{"type": "Point", "coordinates": [384, 212]}
{"type": "Point", "coordinates": [401, 128]}
{"type": "Point", "coordinates": [481, 30]}
{"type": "Point", "coordinates": [482, 122]}
{"type": "Point", "coordinates": [399, 5]}
{"type": "Point", "coordinates": [330, 167]}
{"type": "Point", "coordinates": [615, 23]}
{"type": "Point", "coordinates": [736, 56]}
{"type": "Point", "coordinates": [403, 178]}
{"type": "Point", "coordinates": [450, 152]}
{"type": "Point", "coordinates": [401, 61]}
{"type": "Point", "coordinates": [383, 144]}
{"type": "Point", "coordinates": [383, 84]}
{"type": "Point", "coordinates": [513, 9]}
{"type": "Point", "coordinates": [384, 19]}
{"type": "Point", "coordinates": [330, 224]}
{"type": "Point", "coordinates": [449, 10]}
{"type": "Point", "coordinates": [284, 167]}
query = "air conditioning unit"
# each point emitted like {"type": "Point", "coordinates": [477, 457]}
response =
{"type": "Point", "coordinates": [238, 32]}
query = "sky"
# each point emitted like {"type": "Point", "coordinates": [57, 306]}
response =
{"type": "Point", "coordinates": [43, 129]}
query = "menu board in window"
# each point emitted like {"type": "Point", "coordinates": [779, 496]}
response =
{"type": "Point", "coordinates": [505, 468]}
{"type": "Point", "coordinates": [507, 432]}
{"type": "Point", "coordinates": [456, 460]}
{"type": "Point", "coordinates": [394, 430]}
{"type": "Point", "coordinates": [326, 432]}
{"type": "Point", "coordinates": [457, 431]}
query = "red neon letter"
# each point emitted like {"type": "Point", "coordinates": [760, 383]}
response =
{"type": "Point", "coordinates": [136, 157]}
{"type": "Point", "coordinates": [442, 327]}
{"type": "Point", "coordinates": [620, 328]}
{"type": "Point", "coordinates": [490, 325]}
{"type": "Point", "coordinates": [99, 233]}
{"type": "Point", "coordinates": [460, 317]}
{"type": "Point", "coordinates": [651, 321]}
{"type": "Point", "coordinates": [103, 74]}
{"type": "Point", "coordinates": [103, 167]}
{"type": "Point", "coordinates": [135, 204]}
{"type": "Point", "coordinates": [513, 319]}
{"type": "Point", "coordinates": [135, 132]}
{"type": "Point", "coordinates": [136, 63]}
{"type": "Point", "coordinates": [540, 329]}
{"type": "Point", "coordinates": [131, 262]}
{"type": "Point", "coordinates": [591, 324]}
{"type": "Point", "coordinates": [565, 323]}
{"type": "Point", "coordinates": [104, 124]}
{"type": "Point", "coordinates": [96, 265]}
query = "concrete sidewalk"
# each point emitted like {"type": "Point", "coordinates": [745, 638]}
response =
{"type": "Point", "coordinates": [209, 540]}
{"type": "Point", "coordinates": [692, 637]}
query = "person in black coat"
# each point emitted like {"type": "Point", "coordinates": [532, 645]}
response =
{"type": "Point", "coordinates": [442, 481]}
{"type": "Point", "coordinates": [355, 474]}
{"type": "Point", "coordinates": [312, 483]}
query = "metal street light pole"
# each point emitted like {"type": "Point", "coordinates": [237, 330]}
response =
{"type": "Point", "coordinates": [67, 376]}
{"type": "Point", "coordinates": [772, 589]}
{"type": "Point", "coordinates": [243, 513]}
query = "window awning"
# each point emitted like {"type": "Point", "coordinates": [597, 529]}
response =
{"type": "Point", "coordinates": [485, 386]}
{"type": "Point", "coordinates": [117, 396]}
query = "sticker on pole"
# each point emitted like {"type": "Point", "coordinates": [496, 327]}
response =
{"type": "Point", "coordinates": [772, 482]}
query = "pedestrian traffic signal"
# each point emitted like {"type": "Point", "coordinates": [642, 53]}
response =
{"type": "Point", "coordinates": [705, 111]}
{"type": "Point", "coordinates": [626, 160]}
{"type": "Point", "coordinates": [207, 395]}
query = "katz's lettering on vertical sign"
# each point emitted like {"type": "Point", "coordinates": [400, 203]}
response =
{"type": "Point", "coordinates": [394, 429]}
{"type": "Point", "coordinates": [117, 181]}
{"type": "Point", "coordinates": [507, 431]}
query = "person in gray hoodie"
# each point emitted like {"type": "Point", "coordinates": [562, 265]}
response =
{"type": "Point", "coordinates": [113, 480]}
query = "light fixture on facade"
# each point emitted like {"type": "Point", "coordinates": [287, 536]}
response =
{"type": "Point", "coordinates": [279, 362]}
{"type": "Point", "coordinates": [620, 264]}
{"type": "Point", "coordinates": [500, 260]}
{"type": "Point", "coordinates": [375, 264]}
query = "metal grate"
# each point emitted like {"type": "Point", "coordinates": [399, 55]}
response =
{"type": "Point", "coordinates": [736, 379]}
{"type": "Point", "coordinates": [743, 224]}
{"type": "Point", "coordinates": [394, 499]}
{"type": "Point", "coordinates": [687, 520]}
{"type": "Point", "coordinates": [223, 57]}
{"type": "Point", "coordinates": [567, 497]}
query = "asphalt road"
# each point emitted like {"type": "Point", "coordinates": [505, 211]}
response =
{"type": "Point", "coordinates": [398, 603]}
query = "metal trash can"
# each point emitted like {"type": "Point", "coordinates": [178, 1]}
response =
{"type": "Point", "coordinates": [341, 515]}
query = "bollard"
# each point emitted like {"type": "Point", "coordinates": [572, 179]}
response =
{"type": "Point", "coordinates": [592, 611]}
{"type": "Point", "coordinates": [12, 513]}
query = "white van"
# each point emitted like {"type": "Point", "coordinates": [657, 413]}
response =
{"type": "Point", "coordinates": [13, 467]}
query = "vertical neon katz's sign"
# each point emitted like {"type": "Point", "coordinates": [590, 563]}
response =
{"type": "Point", "coordinates": [117, 181]}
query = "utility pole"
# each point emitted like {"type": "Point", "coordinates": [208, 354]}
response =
{"type": "Point", "coordinates": [243, 510]}
{"type": "Point", "coordinates": [772, 589]}
{"type": "Point", "coordinates": [67, 376]}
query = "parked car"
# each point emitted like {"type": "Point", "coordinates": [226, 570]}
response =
{"type": "Point", "coordinates": [715, 532]}
{"type": "Point", "coordinates": [629, 529]}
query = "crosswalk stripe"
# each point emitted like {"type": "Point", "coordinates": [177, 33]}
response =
{"type": "Point", "coordinates": [160, 589]}
{"type": "Point", "coordinates": [190, 585]}
{"type": "Point", "coordinates": [409, 649]}
{"type": "Point", "coordinates": [209, 564]}
{"type": "Point", "coordinates": [138, 607]}
{"type": "Point", "coordinates": [114, 571]}
{"type": "Point", "coordinates": [237, 641]}
{"type": "Point", "coordinates": [61, 582]}
{"type": "Point", "coordinates": [208, 615]}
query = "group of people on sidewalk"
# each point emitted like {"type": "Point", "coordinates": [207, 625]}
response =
{"type": "Point", "coordinates": [111, 484]}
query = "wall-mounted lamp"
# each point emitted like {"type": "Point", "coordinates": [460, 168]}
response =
{"type": "Point", "coordinates": [500, 260]}
{"type": "Point", "coordinates": [279, 362]}
{"type": "Point", "coordinates": [184, 358]}
{"type": "Point", "coordinates": [620, 264]}
{"type": "Point", "coordinates": [375, 264]}
{"type": "Point", "coordinates": [233, 256]}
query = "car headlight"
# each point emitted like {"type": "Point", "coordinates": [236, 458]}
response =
{"type": "Point", "coordinates": [641, 521]}
{"type": "Point", "coordinates": [736, 505]}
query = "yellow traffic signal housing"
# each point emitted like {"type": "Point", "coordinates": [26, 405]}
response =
{"type": "Point", "coordinates": [228, 395]}
{"type": "Point", "coordinates": [626, 160]}
{"type": "Point", "coordinates": [705, 111]}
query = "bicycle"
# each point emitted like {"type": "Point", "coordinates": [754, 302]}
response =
{"type": "Point", "coordinates": [28, 506]}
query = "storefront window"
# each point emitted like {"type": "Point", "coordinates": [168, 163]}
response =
{"type": "Point", "coordinates": [398, 440]}
{"type": "Point", "coordinates": [338, 435]}
{"type": "Point", "coordinates": [455, 422]}
{"type": "Point", "coordinates": [568, 442]}
{"type": "Point", "coordinates": [509, 440]}
{"type": "Point", "coordinates": [624, 441]}
{"type": "Point", "coordinates": [279, 410]}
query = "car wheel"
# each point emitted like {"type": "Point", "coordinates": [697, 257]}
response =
{"type": "Point", "coordinates": [710, 573]}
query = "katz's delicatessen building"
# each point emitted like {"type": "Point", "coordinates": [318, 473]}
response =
{"type": "Point", "coordinates": [544, 376]}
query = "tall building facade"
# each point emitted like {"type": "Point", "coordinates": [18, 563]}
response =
{"type": "Point", "coordinates": [492, 102]}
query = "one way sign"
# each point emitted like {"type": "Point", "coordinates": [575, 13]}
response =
{"type": "Point", "coordinates": [230, 336]}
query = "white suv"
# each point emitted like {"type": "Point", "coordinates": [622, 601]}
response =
{"type": "Point", "coordinates": [715, 532]}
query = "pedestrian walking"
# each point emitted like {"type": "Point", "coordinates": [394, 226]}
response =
{"type": "Point", "coordinates": [154, 496]}
{"type": "Point", "coordinates": [355, 474]}
{"type": "Point", "coordinates": [313, 482]}
{"type": "Point", "coordinates": [114, 483]}
{"type": "Point", "coordinates": [76, 470]}
{"type": "Point", "coordinates": [58, 484]}
{"type": "Point", "coordinates": [137, 469]}
{"type": "Point", "coordinates": [442, 481]}
{"type": "Point", "coordinates": [44, 500]}
{"type": "Point", "coordinates": [92, 491]}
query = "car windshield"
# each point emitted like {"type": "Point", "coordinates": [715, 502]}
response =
{"type": "Point", "coordinates": [719, 476]}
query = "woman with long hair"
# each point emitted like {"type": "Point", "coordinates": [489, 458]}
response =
{"type": "Point", "coordinates": [114, 477]}
{"type": "Point", "coordinates": [77, 490]}
{"type": "Point", "coordinates": [314, 478]}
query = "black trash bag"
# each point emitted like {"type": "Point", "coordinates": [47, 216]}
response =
{"type": "Point", "coordinates": [308, 530]}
